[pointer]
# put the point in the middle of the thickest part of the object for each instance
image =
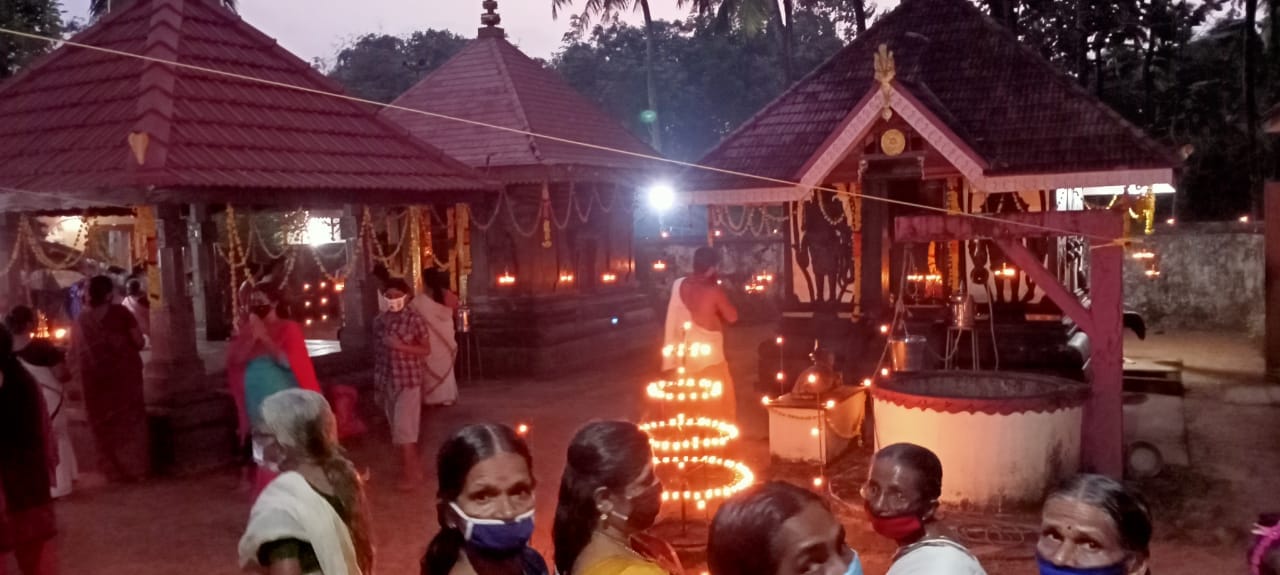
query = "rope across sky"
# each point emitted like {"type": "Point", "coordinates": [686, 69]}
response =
{"type": "Point", "coordinates": [765, 179]}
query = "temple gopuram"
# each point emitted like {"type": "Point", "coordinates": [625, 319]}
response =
{"type": "Point", "coordinates": [552, 274]}
{"type": "Point", "coordinates": [935, 113]}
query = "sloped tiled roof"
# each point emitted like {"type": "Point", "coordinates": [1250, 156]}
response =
{"type": "Point", "coordinates": [65, 122]}
{"type": "Point", "coordinates": [493, 82]}
{"type": "Point", "coordinates": [1017, 112]}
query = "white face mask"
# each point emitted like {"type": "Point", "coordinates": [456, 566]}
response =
{"type": "Point", "coordinates": [396, 304]}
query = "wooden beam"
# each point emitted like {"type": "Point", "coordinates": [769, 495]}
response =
{"type": "Point", "coordinates": [1046, 281]}
{"type": "Point", "coordinates": [940, 227]}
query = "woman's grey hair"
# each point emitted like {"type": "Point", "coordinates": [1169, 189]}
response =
{"type": "Point", "coordinates": [301, 422]}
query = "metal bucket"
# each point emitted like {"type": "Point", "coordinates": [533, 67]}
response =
{"type": "Point", "coordinates": [910, 353]}
{"type": "Point", "coordinates": [960, 308]}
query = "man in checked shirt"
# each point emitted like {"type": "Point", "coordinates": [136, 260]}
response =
{"type": "Point", "coordinates": [401, 343]}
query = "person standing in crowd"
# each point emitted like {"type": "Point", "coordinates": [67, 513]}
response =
{"type": "Point", "coordinates": [269, 355]}
{"type": "Point", "coordinates": [401, 344]}
{"type": "Point", "coordinates": [484, 505]}
{"type": "Point", "coordinates": [901, 495]}
{"type": "Point", "coordinates": [106, 347]}
{"type": "Point", "coordinates": [438, 306]}
{"type": "Point", "coordinates": [1094, 525]}
{"type": "Point", "coordinates": [313, 517]}
{"type": "Point", "coordinates": [1264, 553]}
{"type": "Point", "coordinates": [28, 457]}
{"type": "Point", "coordinates": [47, 365]}
{"type": "Point", "coordinates": [780, 529]}
{"type": "Point", "coordinates": [135, 300]}
{"type": "Point", "coordinates": [609, 495]}
{"type": "Point", "coordinates": [698, 311]}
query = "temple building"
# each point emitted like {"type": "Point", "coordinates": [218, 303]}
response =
{"type": "Point", "coordinates": [178, 152]}
{"type": "Point", "coordinates": [935, 112]}
{"type": "Point", "coordinates": [552, 283]}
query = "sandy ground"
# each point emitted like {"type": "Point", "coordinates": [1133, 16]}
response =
{"type": "Point", "coordinates": [192, 524]}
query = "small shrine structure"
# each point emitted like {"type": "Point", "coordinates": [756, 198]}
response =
{"type": "Point", "coordinates": [184, 111]}
{"type": "Point", "coordinates": [937, 156]}
{"type": "Point", "coordinates": [551, 260]}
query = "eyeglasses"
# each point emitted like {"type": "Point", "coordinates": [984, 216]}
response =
{"type": "Point", "coordinates": [897, 499]}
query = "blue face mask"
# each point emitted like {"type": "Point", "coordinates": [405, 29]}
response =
{"type": "Point", "coordinates": [495, 534]}
{"type": "Point", "coordinates": [855, 566]}
{"type": "Point", "coordinates": [1047, 568]}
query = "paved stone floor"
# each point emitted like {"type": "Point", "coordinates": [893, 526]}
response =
{"type": "Point", "coordinates": [192, 524]}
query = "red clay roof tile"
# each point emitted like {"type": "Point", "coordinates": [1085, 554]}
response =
{"type": "Point", "coordinates": [65, 121]}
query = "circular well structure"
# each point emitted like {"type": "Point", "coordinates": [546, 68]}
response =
{"type": "Point", "coordinates": [1003, 438]}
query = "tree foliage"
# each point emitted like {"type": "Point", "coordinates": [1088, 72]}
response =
{"type": "Point", "coordinates": [381, 67]}
{"type": "Point", "coordinates": [712, 82]}
{"type": "Point", "coordinates": [35, 16]}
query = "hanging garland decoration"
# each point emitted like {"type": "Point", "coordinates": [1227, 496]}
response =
{"type": "Point", "coordinates": [613, 201]}
{"type": "Point", "coordinates": [833, 220]}
{"type": "Point", "coordinates": [726, 218]}
{"type": "Point", "coordinates": [288, 267]}
{"type": "Point", "coordinates": [336, 277]}
{"type": "Point", "coordinates": [493, 218]}
{"type": "Point", "coordinates": [235, 250]}
{"type": "Point", "coordinates": [591, 200]}
{"type": "Point", "coordinates": [33, 243]}
{"type": "Point", "coordinates": [371, 239]}
{"type": "Point", "coordinates": [20, 237]}
{"type": "Point", "coordinates": [568, 212]}
{"type": "Point", "coordinates": [511, 213]}
{"type": "Point", "coordinates": [548, 215]}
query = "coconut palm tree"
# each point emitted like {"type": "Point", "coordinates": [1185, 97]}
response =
{"type": "Point", "coordinates": [752, 16]}
{"type": "Point", "coordinates": [593, 10]}
{"type": "Point", "coordinates": [99, 8]}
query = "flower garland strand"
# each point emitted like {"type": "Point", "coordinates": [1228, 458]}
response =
{"type": "Point", "coordinates": [74, 258]}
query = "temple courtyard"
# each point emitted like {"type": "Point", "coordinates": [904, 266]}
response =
{"type": "Point", "coordinates": [191, 524]}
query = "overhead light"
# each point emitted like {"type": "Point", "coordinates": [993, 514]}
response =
{"type": "Point", "coordinates": [661, 197]}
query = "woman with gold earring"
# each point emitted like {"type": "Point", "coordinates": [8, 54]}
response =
{"type": "Point", "coordinates": [609, 496]}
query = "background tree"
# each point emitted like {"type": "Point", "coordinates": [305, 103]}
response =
{"type": "Point", "coordinates": [381, 67]}
{"type": "Point", "coordinates": [593, 10]}
{"type": "Point", "coordinates": [717, 80]}
{"type": "Point", "coordinates": [34, 16]}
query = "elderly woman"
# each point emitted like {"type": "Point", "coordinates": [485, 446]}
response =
{"type": "Point", "coordinates": [779, 529]}
{"type": "Point", "coordinates": [1094, 525]}
{"type": "Point", "coordinates": [484, 505]}
{"type": "Point", "coordinates": [313, 517]}
{"type": "Point", "coordinates": [901, 496]}
{"type": "Point", "coordinates": [609, 496]}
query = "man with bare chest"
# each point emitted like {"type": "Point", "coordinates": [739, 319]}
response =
{"type": "Point", "coordinates": [697, 313]}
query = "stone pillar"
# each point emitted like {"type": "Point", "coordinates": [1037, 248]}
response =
{"type": "Point", "coordinates": [208, 288]}
{"type": "Point", "coordinates": [11, 288]}
{"type": "Point", "coordinates": [359, 296]}
{"type": "Point", "coordinates": [175, 365]}
{"type": "Point", "coordinates": [1272, 281]}
{"type": "Point", "coordinates": [875, 228]}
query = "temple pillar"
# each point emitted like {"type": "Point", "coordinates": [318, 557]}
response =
{"type": "Point", "coordinates": [1272, 275]}
{"type": "Point", "coordinates": [175, 365]}
{"type": "Point", "coordinates": [359, 295]}
{"type": "Point", "coordinates": [11, 283]}
{"type": "Point", "coordinates": [875, 227]}
{"type": "Point", "coordinates": [207, 288]}
{"type": "Point", "coordinates": [1103, 430]}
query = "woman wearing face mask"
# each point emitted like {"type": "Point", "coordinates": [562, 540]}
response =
{"type": "Point", "coordinates": [267, 356]}
{"type": "Point", "coordinates": [485, 505]}
{"type": "Point", "coordinates": [778, 529]}
{"type": "Point", "coordinates": [312, 518]}
{"type": "Point", "coordinates": [901, 497]}
{"type": "Point", "coordinates": [1094, 525]}
{"type": "Point", "coordinates": [609, 495]}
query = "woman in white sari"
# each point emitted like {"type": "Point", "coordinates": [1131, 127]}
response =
{"type": "Point", "coordinates": [438, 306]}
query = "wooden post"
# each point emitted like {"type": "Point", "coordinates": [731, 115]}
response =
{"type": "Point", "coordinates": [11, 283]}
{"type": "Point", "coordinates": [1272, 242]}
{"type": "Point", "coordinates": [1102, 431]}
{"type": "Point", "coordinates": [175, 364]}
{"type": "Point", "coordinates": [875, 226]}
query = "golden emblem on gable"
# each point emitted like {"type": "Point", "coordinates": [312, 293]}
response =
{"type": "Point", "coordinates": [893, 142]}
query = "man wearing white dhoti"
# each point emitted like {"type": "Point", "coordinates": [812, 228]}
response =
{"type": "Point", "coordinates": [697, 313]}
